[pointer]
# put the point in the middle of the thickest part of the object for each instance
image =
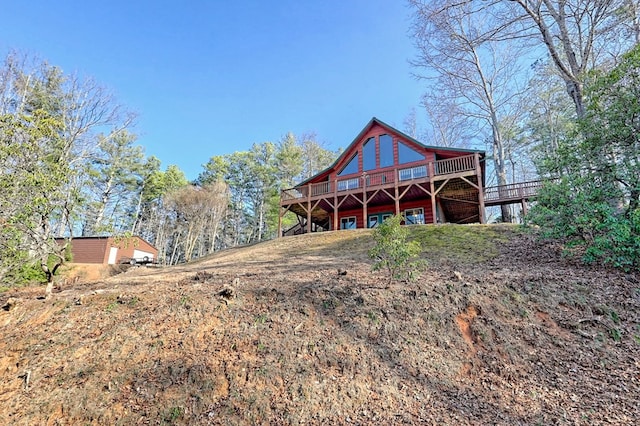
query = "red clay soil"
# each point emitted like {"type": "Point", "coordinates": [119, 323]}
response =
{"type": "Point", "coordinates": [274, 334]}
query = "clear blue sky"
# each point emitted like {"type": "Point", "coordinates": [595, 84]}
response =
{"type": "Point", "coordinates": [213, 77]}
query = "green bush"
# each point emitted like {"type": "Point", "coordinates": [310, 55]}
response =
{"type": "Point", "coordinates": [583, 217]}
{"type": "Point", "coordinates": [596, 202]}
{"type": "Point", "coordinates": [394, 252]}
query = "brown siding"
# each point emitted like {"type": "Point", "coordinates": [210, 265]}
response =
{"type": "Point", "coordinates": [388, 208]}
{"type": "Point", "coordinates": [89, 250]}
{"type": "Point", "coordinates": [96, 249]}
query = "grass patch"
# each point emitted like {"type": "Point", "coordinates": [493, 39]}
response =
{"type": "Point", "coordinates": [469, 244]}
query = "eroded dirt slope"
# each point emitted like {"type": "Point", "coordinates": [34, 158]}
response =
{"type": "Point", "coordinates": [500, 329]}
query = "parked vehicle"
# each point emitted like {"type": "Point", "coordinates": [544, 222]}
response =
{"type": "Point", "coordinates": [146, 260]}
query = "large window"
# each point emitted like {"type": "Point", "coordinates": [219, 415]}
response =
{"type": "Point", "coordinates": [348, 222]}
{"type": "Point", "coordinates": [369, 154]}
{"type": "Point", "coordinates": [351, 167]}
{"type": "Point", "coordinates": [386, 151]}
{"type": "Point", "coordinates": [414, 216]}
{"type": "Point", "coordinates": [407, 154]}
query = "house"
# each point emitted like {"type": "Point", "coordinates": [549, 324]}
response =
{"type": "Point", "coordinates": [110, 250]}
{"type": "Point", "coordinates": [385, 172]}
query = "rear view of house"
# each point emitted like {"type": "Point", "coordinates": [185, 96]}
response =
{"type": "Point", "coordinates": [385, 172]}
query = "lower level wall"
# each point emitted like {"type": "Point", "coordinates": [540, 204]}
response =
{"type": "Point", "coordinates": [379, 211]}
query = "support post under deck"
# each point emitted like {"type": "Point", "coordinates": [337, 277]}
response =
{"type": "Point", "coordinates": [481, 212]}
{"type": "Point", "coordinates": [432, 187]}
{"type": "Point", "coordinates": [309, 209]}
{"type": "Point", "coordinates": [365, 220]}
{"type": "Point", "coordinates": [279, 222]}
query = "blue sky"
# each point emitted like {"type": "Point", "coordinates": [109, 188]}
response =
{"type": "Point", "coordinates": [213, 77]}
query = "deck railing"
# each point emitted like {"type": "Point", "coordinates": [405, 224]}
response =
{"type": "Point", "coordinates": [320, 188]}
{"type": "Point", "coordinates": [348, 184]}
{"type": "Point", "coordinates": [293, 193]}
{"type": "Point", "coordinates": [412, 173]}
{"type": "Point", "coordinates": [455, 165]}
{"type": "Point", "coordinates": [381, 178]}
{"type": "Point", "coordinates": [439, 167]}
{"type": "Point", "coordinates": [513, 191]}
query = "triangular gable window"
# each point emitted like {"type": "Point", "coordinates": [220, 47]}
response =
{"type": "Point", "coordinates": [351, 167]}
{"type": "Point", "coordinates": [407, 154]}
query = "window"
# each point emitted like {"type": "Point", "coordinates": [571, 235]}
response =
{"type": "Point", "coordinates": [348, 222]}
{"type": "Point", "coordinates": [386, 151]}
{"type": "Point", "coordinates": [351, 167]}
{"type": "Point", "coordinates": [369, 154]}
{"type": "Point", "coordinates": [414, 216]}
{"type": "Point", "coordinates": [377, 218]}
{"type": "Point", "coordinates": [407, 154]}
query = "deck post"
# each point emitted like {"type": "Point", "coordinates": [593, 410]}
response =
{"type": "Point", "coordinates": [434, 215]}
{"type": "Point", "coordinates": [309, 209]}
{"type": "Point", "coordinates": [365, 220]}
{"type": "Point", "coordinates": [335, 207]}
{"type": "Point", "coordinates": [481, 212]}
{"type": "Point", "coordinates": [397, 196]}
{"type": "Point", "coordinates": [280, 221]}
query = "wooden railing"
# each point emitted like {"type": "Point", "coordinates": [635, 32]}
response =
{"type": "Point", "coordinates": [293, 193]}
{"type": "Point", "coordinates": [404, 174]}
{"type": "Point", "coordinates": [320, 188]}
{"type": "Point", "coordinates": [417, 172]}
{"type": "Point", "coordinates": [513, 191]}
{"type": "Point", "coordinates": [454, 165]}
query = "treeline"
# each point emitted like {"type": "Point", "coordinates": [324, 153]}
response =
{"type": "Point", "coordinates": [70, 166]}
{"type": "Point", "coordinates": [551, 87]}
{"type": "Point", "coordinates": [594, 202]}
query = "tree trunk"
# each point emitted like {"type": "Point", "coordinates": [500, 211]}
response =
{"type": "Point", "coordinates": [575, 92]}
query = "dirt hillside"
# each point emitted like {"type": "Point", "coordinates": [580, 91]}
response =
{"type": "Point", "coordinates": [499, 329]}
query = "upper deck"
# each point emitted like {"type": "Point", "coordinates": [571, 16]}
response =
{"type": "Point", "coordinates": [390, 178]}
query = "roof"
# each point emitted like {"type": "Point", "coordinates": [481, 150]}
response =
{"type": "Point", "coordinates": [106, 238]}
{"type": "Point", "coordinates": [391, 129]}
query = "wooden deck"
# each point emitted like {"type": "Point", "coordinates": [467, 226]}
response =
{"type": "Point", "coordinates": [399, 176]}
{"type": "Point", "coordinates": [455, 182]}
{"type": "Point", "coordinates": [512, 193]}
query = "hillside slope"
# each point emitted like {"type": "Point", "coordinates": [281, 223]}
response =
{"type": "Point", "coordinates": [499, 329]}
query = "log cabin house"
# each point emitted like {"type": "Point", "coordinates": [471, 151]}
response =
{"type": "Point", "coordinates": [385, 172]}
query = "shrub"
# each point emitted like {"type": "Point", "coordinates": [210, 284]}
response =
{"type": "Point", "coordinates": [393, 251]}
{"type": "Point", "coordinates": [596, 202]}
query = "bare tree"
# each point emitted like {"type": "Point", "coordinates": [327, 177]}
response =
{"type": "Point", "coordinates": [470, 70]}
{"type": "Point", "coordinates": [198, 212]}
{"type": "Point", "coordinates": [410, 124]}
{"type": "Point", "coordinates": [448, 125]}
{"type": "Point", "coordinates": [632, 11]}
{"type": "Point", "coordinates": [577, 34]}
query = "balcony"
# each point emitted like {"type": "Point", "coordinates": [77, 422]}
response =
{"type": "Point", "coordinates": [433, 170]}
